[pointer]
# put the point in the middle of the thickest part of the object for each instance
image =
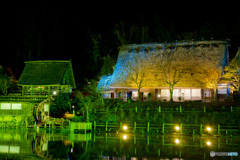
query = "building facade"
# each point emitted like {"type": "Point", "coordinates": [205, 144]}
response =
{"type": "Point", "coordinates": [149, 65]}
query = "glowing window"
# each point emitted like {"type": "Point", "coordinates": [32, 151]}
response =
{"type": "Point", "coordinates": [4, 149]}
{"type": "Point", "coordinates": [222, 91]}
{"type": "Point", "coordinates": [46, 107]}
{"type": "Point", "coordinates": [165, 93]}
{"type": "Point", "coordinates": [176, 93]}
{"type": "Point", "coordinates": [14, 149]}
{"type": "Point", "coordinates": [134, 94]}
{"type": "Point", "coordinates": [145, 94]}
{"type": "Point", "coordinates": [17, 106]}
{"type": "Point", "coordinates": [5, 105]}
{"type": "Point", "coordinates": [196, 92]}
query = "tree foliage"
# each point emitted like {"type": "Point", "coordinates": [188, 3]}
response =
{"type": "Point", "coordinates": [5, 83]}
{"type": "Point", "coordinates": [136, 70]}
{"type": "Point", "coordinates": [232, 73]}
{"type": "Point", "coordinates": [108, 66]}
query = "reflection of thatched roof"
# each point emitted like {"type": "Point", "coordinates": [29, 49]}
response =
{"type": "Point", "coordinates": [200, 50]}
{"type": "Point", "coordinates": [47, 73]}
{"type": "Point", "coordinates": [104, 83]}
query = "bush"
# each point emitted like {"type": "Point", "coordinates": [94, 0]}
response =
{"type": "Point", "coordinates": [79, 119]}
{"type": "Point", "coordinates": [7, 118]}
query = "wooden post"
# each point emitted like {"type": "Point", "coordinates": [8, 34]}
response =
{"type": "Point", "coordinates": [163, 140]}
{"type": "Point", "coordinates": [147, 139]}
{"type": "Point", "coordinates": [181, 128]}
{"type": "Point", "coordinates": [200, 129]}
{"type": "Point", "coordinates": [163, 128]}
{"type": "Point", "coordinates": [204, 109]}
{"type": "Point", "coordinates": [134, 139]}
{"type": "Point", "coordinates": [219, 129]}
{"type": "Point", "coordinates": [148, 127]}
{"type": "Point", "coordinates": [120, 126]}
{"type": "Point", "coordinates": [106, 137]}
{"type": "Point", "coordinates": [159, 109]}
{"type": "Point", "coordinates": [94, 123]}
{"type": "Point", "coordinates": [69, 126]}
{"type": "Point", "coordinates": [26, 124]}
{"type": "Point", "coordinates": [106, 126]}
{"type": "Point", "coordinates": [200, 142]}
{"type": "Point", "coordinates": [180, 109]}
{"type": "Point", "coordinates": [135, 126]}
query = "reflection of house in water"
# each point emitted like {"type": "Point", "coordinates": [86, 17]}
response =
{"type": "Point", "coordinates": [119, 84]}
{"type": "Point", "coordinates": [39, 80]}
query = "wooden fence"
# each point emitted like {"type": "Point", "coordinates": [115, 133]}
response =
{"type": "Point", "coordinates": [168, 128]}
{"type": "Point", "coordinates": [160, 109]}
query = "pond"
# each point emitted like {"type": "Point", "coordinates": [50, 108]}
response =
{"type": "Point", "coordinates": [60, 144]}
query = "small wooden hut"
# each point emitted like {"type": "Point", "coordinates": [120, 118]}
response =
{"type": "Point", "coordinates": [41, 82]}
{"type": "Point", "coordinates": [41, 78]}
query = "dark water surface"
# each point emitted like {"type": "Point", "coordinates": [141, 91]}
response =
{"type": "Point", "coordinates": [60, 144]}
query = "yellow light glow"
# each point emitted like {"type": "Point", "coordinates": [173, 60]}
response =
{"type": "Point", "coordinates": [54, 93]}
{"type": "Point", "coordinates": [159, 95]}
{"type": "Point", "coordinates": [208, 143]}
{"type": "Point", "coordinates": [125, 127]}
{"type": "Point", "coordinates": [208, 129]}
{"type": "Point", "coordinates": [177, 141]}
{"type": "Point", "coordinates": [177, 128]}
{"type": "Point", "coordinates": [124, 137]}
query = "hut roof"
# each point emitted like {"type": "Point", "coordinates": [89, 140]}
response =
{"type": "Point", "coordinates": [104, 83]}
{"type": "Point", "coordinates": [47, 72]}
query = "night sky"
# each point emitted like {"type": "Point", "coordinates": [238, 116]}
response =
{"type": "Point", "coordinates": [63, 30]}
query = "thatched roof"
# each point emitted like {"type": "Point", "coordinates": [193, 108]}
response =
{"type": "Point", "coordinates": [47, 72]}
{"type": "Point", "coordinates": [104, 83]}
{"type": "Point", "coordinates": [199, 50]}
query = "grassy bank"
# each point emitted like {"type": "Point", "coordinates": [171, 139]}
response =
{"type": "Point", "coordinates": [192, 112]}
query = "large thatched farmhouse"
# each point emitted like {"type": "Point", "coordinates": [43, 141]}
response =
{"type": "Point", "coordinates": [169, 71]}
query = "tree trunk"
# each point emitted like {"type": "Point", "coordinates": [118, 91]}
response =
{"type": "Point", "coordinates": [139, 94]}
{"type": "Point", "coordinates": [215, 94]}
{"type": "Point", "coordinates": [171, 93]}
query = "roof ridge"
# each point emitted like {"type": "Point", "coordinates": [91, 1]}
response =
{"type": "Point", "coordinates": [40, 61]}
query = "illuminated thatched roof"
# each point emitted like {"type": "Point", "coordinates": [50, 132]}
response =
{"type": "Point", "coordinates": [104, 83]}
{"type": "Point", "coordinates": [199, 50]}
{"type": "Point", "coordinates": [47, 73]}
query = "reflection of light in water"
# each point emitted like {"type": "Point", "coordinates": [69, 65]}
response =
{"type": "Point", "coordinates": [124, 127]}
{"type": "Point", "coordinates": [208, 129]}
{"type": "Point", "coordinates": [177, 141]}
{"type": "Point", "coordinates": [124, 136]}
{"type": "Point", "coordinates": [208, 143]}
{"type": "Point", "coordinates": [177, 128]}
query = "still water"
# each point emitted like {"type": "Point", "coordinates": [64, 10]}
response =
{"type": "Point", "coordinates": [60, 144]}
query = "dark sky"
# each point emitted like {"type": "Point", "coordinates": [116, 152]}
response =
{"type": "Point", "coordinates": [63, 30]}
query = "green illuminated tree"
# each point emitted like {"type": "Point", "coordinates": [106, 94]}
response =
{"type": "Point", "coordinates": [232, 72]}
{"type": "Point", "coordinates": [5, 83]}
{"type": "Point", "coordinates": [108, 66]}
